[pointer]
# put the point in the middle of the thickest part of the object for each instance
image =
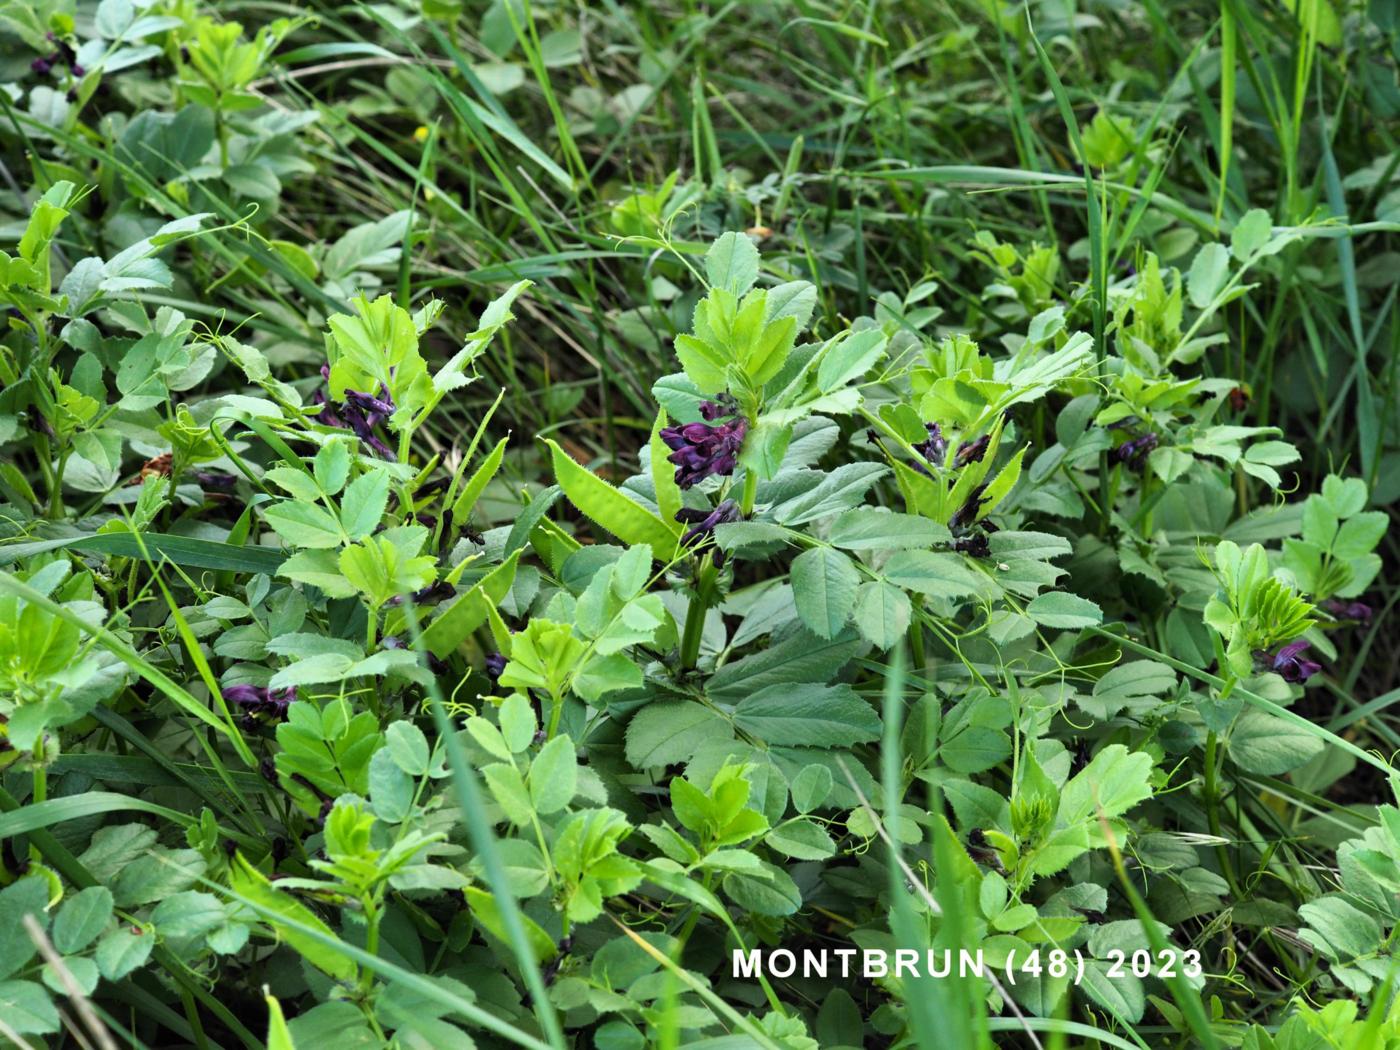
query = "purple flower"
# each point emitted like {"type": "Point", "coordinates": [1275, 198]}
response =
{"type": "Point", "coordinates": [972, 451]}
{"type": "Point", "coordinates": [1134, 451]}
{"type": "Point", "coordinates": [41, 66]}
{"type": "Point", "coordinates": [77, 70]}
{"type": "Point", "coordinates": [1358, 612]}
{"type": "Point", "coordinates": [278, 700]}
{"type": "Point", "coordinates": [257, 700]}
{"type": "Point", "coordinates": [966, 515]}
{"type": "Point", "coordinates": [245, 695]}
{"type": "Point", "coordinates": [723, 405]}
{"type": "Point", "coordinates": [495, 665]}
{"type": "Point", "coordinates": [935, 447]}
{"type": "Point", "coordinates": [704, 450]}
{"type": "Point", "coordinates": [437, 592]}
{"type": "Point", "coordinates": [371, 405]}
{"type": "Point", "coordinates": [1291, 664]}
{"type": "Point", "coordinates": [974, 546]}
{"type": "Point", "coordinates": [702, 525]}
{"type": "Point", "coordinates": [327, 415]}
{"type": "Point", "coordinates": [216, 480]}
{"type": "Point", "coordinates": [360, 413]}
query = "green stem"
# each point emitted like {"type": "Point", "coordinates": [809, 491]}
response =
{"type": "Point", "coordinates": [694, 627]}
{"type": "Point", "coordinates": [371, 940]}
{"type": "Point", "coordinates": [556, 710]}
{"type": "Point", "coordinates": [693, 917]}
{"type": "Point", "coordinates": [41, 785]}
{"type": "Point", "coordinates": [56, 486]}
{"type": "Point", "coordinates": [1211, 790]}
{"type": "Point", "coordinates": [750, 492]}
{"type": "Point", "coordinates": [916, 645]}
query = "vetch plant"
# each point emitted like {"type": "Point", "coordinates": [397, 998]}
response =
{"type": "Point", "coordinates": [502, 514]}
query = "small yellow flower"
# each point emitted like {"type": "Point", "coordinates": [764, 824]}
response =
{"type": "Point", "coordinates": [420, 133]}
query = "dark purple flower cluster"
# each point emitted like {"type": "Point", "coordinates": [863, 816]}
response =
{"type": "Point", "coordinates": [360, 412]}
{"type": "Point", "coordinates": [260, 700]}
{"type": "Point", "coordinates": [496, 666]}
{"type": "Point", "coordinates": [706, 450]}
{"type": "Point", "coordinates": [62, 55]}
{"type": "Point", "coordinates": [437, 592]}
{"type": "Point", "coordinates": [703, 522]}
{"type": "Point", "coordinates": [966, 515]}
{"type": "Point", "coordinates": [722, 406]}
{"type": "Point", "coordinates": [1134, 451]}
{"type": "Point", "coordinates": [1356, 612]}
{"type": "Point", "coordinates": [1291, 663]}
{"type": "Point", "coordinates": [935, 447]}
{"type": "Point", "coordinates": [394, 641]}
{"type": "Point", "coordinates": [972, 451]}
{"type": "Point", "coordinates": [215, 481]}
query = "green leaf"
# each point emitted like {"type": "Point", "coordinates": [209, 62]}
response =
{"type": "Point", "coordinates": [518, 725]}
{"type": "Point", "coordinates": [1063, 610]}
{"type": "Point", "coordinates": [808, 715]}
{"type": "Point", "coordinates": [27, 896]}
{"type": "Point", "coordinates": [331, 466]}
{"type": "Point", "coordinates": [1114, 781]}
{"type": "Point", "coordinates": [305, 524]}
{"type": "Point", "coordinates": [824, 586]}
{"type": "Point", "coordinates": [764, 448]}
{"type": "Point", "coordinates": [850, 358]}
{"type": "Point", "coordinates": [732, 263]}
{"type": "Point", "coordinates": [82, 917]}
{"type": "Point", "coordinates": [278, 1036]}
{"type": "Point", "coordinates": [599, 501]}
{"type": "Point", "coordinates": [1209, 271]}
{"type": "Point", "coordinates": [774, 893]}
{"type": "Point", "coordinates": [74, 807]}
{"type": "Point", "coordinates": [811, 787]}
{"type": "Point", "coordinates": [932, 572]}
{"type": "Point", "coordinates": [705, 365]}
{"type": "Point", "coordinates": [663, 474]}
{"type": "Point", "coordinates": [390, 788]}
{"type": "Point", "coordinates": [188, 914]}
{"type": "Point", "coordinates": [1251, 233]}
{"type": "Point", "coordinates": [1262, 743]}
{"type": "Point", "coordinates": [455, 624]}
{"type": "Point", "coordinates": [82, 971]}
{"type": "Point", "coordinates": [801, 657]}
{"type": "Point", "coordinates": [362, 506]}
{"type": "Point", "coordinates": [801, 840]}
{"type": "Point", "coordinates": [795, 299]}
{"type": "Point", "coordinates": [865, 528]}
{"type": "Point", "coordinates": [26, 1008]}
{"type": "Point", "coordinates": [672, 731]}
{"type": "Point", "coordinates": [251, 884]}
{"type": "Point", "coordinates": [841, 489]}
{"type": "Point", "coordinates": [408, 747]}
{"type": "Point", "coordinates": [487, 912]}
{"type": "Point", "coordinates": [476, 484]}
{"type": "Point", "coordinates": [508, 789]}
{"type": "Point", "coordinates": [318, 568]}
{"type": "Point", "coordinates": [123, 950]}
{"type": "Point", "coordinates": [1339, 929]}
{"type": "Point", "coordinates": [882, 613]}
{"type": "Point", "coordinates": [187, 551]}
{"type": "Point", "coordinates": [553, 776]}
